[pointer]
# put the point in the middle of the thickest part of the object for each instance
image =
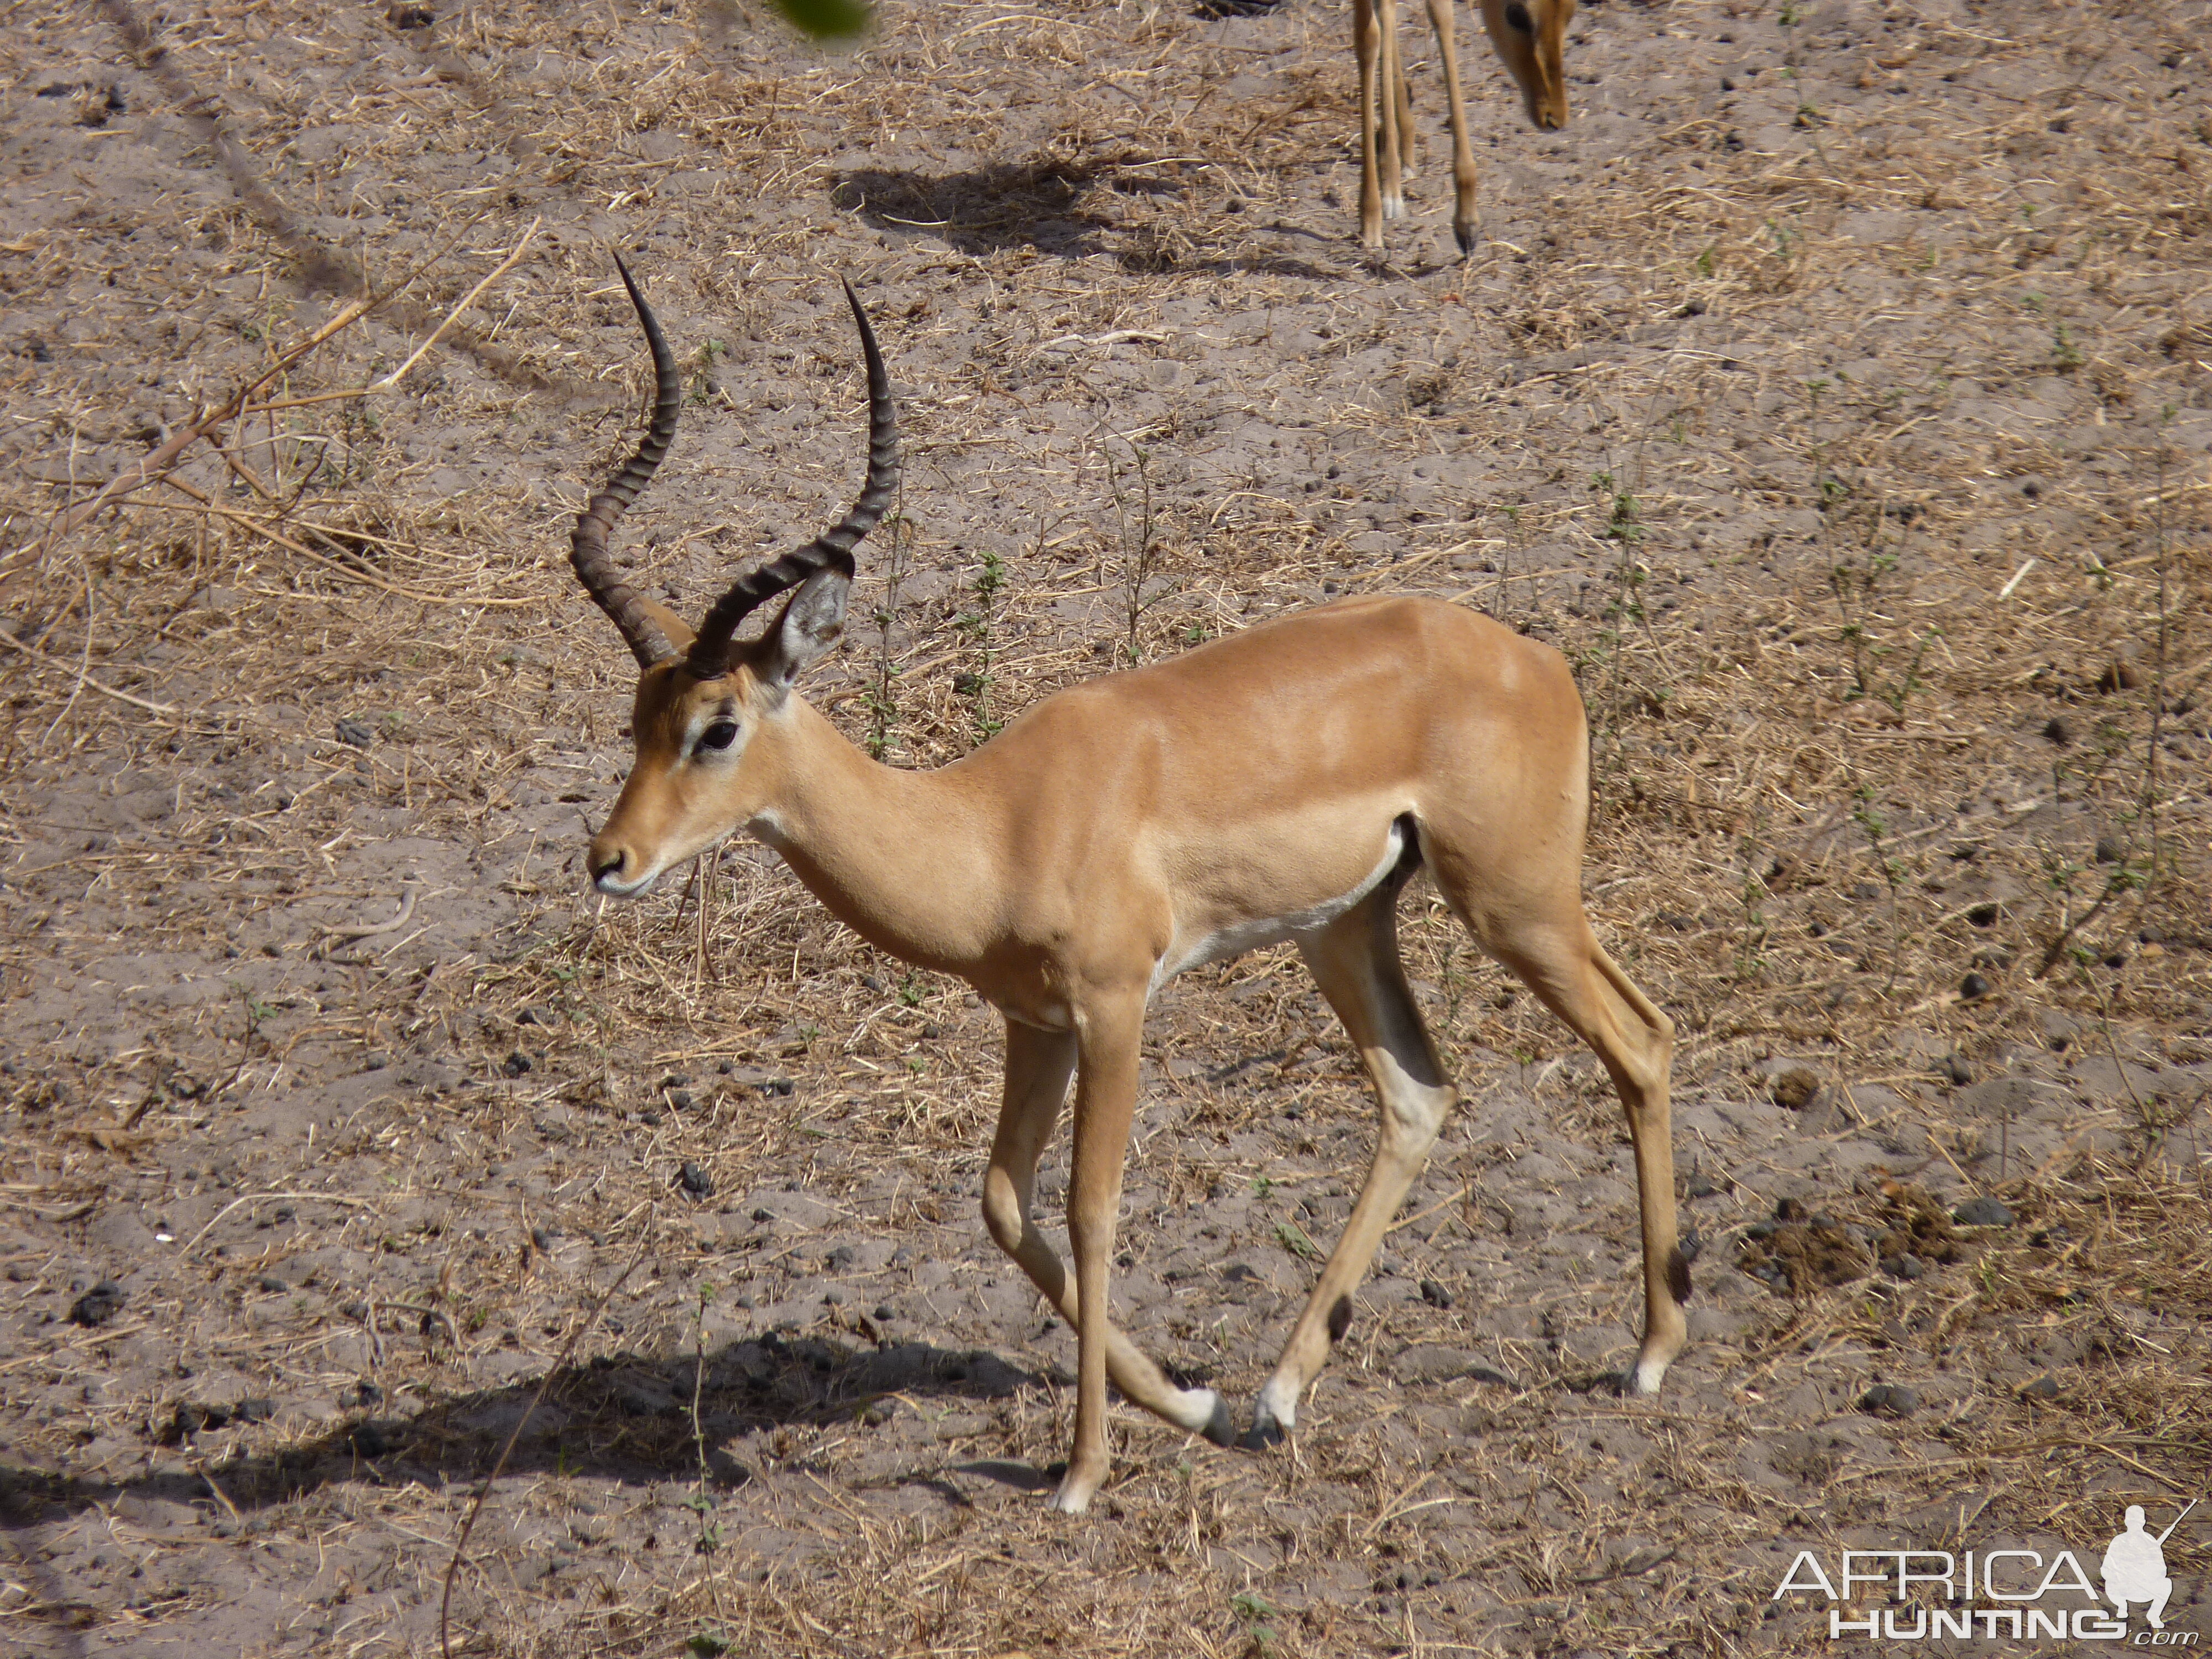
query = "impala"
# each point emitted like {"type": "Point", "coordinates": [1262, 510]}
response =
{"type": "Point", "coordinates": [1530, 36]}
{"type": "Point", "coordinates": [1282, 783]}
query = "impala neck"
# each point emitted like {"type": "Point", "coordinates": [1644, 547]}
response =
{"type": "Point", "coordinates": [899, 857]}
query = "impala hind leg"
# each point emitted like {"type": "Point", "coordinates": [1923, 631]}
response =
{"type": "Point", "coordinates": [1467, 221]}
{"type": "Point", "coordinates": [1394, 146]}
{"type": "Point", "coordinates": [1367, 49]}
{"type": "Point", "coordinates": [1355, 961]}
{"type": "Point", "coordinates": [1038, 1066]}
{"type": "Point", "coordinates": [1560, 960]}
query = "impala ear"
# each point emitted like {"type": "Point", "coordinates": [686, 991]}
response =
{"type": "Point", "coordinates": [811, 621]}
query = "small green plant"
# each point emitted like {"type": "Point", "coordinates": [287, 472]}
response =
{"type": "Point", "coordinates": [1138, 526]}
{"type": "Point", "coordinates": [707, 1643]}
{"type": "Point", "coordinates": [1255, 1613]}
{"type": "Point", "coordinates": [909, 991]}
{"type": "Point", "coordinates": [2065, 355]}
{"type": "Point", "coordinates": [1895, 874]}
{"type": "Point", "coordinates": [1292, 1237]}
{"type": "Point", "coordinates": [702, 1501]}
{"type": "Point", "coordinates": [1703, 263]}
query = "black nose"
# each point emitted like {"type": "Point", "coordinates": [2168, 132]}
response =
{"type": "Point", "coordinates": [611, 866]}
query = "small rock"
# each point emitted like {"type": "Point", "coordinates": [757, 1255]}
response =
{"type": "Point", "coordinates": [363, 1394]}
{"type": "Point", "coordinates": [1907, 1265]}
{"type": "Point", "coordinates": [270, 1284]}
{"type": "Point", "coordinates": [886, 1312]}
{"type": "Point", "coordinates": [257, 1410]}
{"type": "Point", "coordinates": [98, 1305]}
{"type": "Point", "coordinates": [356, 734]}
{"type": "Point", "coordinates": [2052, 1238]}
{"type": "Point", "coordinates": [2044, 1388]}
{"type": "Point", "coordinates": [839, 1259]}
{"type": "Point", "coordinates": [1983, 916]}
{"type": "Point", "coordinates": [535, 1016]}
{"type": "Point", "coordinates": [374, 1439]}
{"type": "Point", "coordinates": [902, 1257]}
{"type": "Point", "coordinates": [191, 1418]}
{"type": "Point", "coordinates": [1702, 1186]}
{"type": "Point", "coordinates": [1435, 1294]}
{"type": "Point", "coordinates": [876, 1412]}
{"type": "Point", "coordinates": [1973, 988]}
{"type": "Point", "coordinates": [1983, 1213]}
{"type": "Point", "coordinates": [833, 1298]}
{"type": "Point", "coordinates": [1890, 1397]}
{"type": "Point", "coordinates": [1794, 1088]}
{"type": "Point", "coordinates": [2057, 730]}
{"type": "Point", "coordinates": [1958, 1069]}
{"type": "Point", "coordinates": [1789, 1210]}
{"type": "Point", "coordinates": [777, 1085]}
{"type": "Point", "coordinates": [2108, 850]}
{"type": "Point", "coordinates": [516, 1064]}
{"type": "Point", "coordinates": [696, 1181]}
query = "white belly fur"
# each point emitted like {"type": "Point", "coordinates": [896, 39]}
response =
{"type": "Point", "coordinates": [1236, 940]}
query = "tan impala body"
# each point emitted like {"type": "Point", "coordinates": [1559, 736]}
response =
{"type": "Point", "coordinates": [1281, 783]}
{"type": "Point", "coordinates": [1530, 39]}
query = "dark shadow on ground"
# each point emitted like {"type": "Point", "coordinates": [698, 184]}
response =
{"type": "Point", "coordinates": [627, 1418]}
{"type": "Point", "coordinates": [1046, 204]}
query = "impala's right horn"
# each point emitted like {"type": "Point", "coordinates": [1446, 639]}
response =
{"type": "Point", "coordinates": [710, 653]}
{"type": "Point", "coordinates": [588, 541]}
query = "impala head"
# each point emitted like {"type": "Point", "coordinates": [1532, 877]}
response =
{"type": "Point", "coordinates": [1531, 37]}
{"type": "Point", "coordinates": [710, 706]}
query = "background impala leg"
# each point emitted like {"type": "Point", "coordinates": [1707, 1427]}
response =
{"type": "Point", "coordinates": [1562, 962]}
{"type": "Point", "coordinates": [1367, 48]}
{"type": "Point", "coordinates": [1105, 1104]}
{"type": "Point", "coordinates": [1466, 220]}
{"type": "Point", "coordinates": [1355, 961]}
{"type": "Point", "coordinates": [1038, 1066]}
{"type": "Point", "coordinates": [1390, 146]}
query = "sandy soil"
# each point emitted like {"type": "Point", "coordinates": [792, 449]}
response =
{"type": "Point", "coordinates": [1836, 390]}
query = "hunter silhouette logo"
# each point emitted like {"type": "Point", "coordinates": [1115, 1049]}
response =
{"type": "Point", "coordinates": [2134, 1567]}
{"type": "Point", "coordinates": [1999, 1594]}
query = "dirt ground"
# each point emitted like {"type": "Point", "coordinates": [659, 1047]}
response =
{"type": "Point", "coordinates": [1835, 390]}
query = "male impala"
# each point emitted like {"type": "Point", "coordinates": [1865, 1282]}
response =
{"type": "Point", "coordinates": [1282, 783]}
{"type": "Point", "coordinates": [1530, 37]}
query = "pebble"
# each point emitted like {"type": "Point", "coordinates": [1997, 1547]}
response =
{"type": "Point", "coordinates": [1435, 1294]}
{"type": "Point", "coordinates": [516, 1064]}
{"type": "Point", "coordinates": [2057, 730]}
{"type": "Point", "coordinates": [1973, 988]}
{"type": "Point", "coordinates": [2044, 1388]}
{"type": "Point", "coordinates": [1983, 1213]}
{"type": "Point", "coordinates": [1907, 1266]}
{"type": "Point", "coordinates": [1890, 1397]}
{"type": "Point", "coordinates": [1794, 1088]}
{"type": "Point", "coordinates": [270, 1284]}
{"type": "Point", "coordinates": [885, 1311]}
{"type": "Point", "coordinates": [356, 734]}
{"type": "Point", "coordinates": [695, 1180]}
{"type": "Point", "coordinates": [98, 1305]}
{"type": "Point", "coordinates": [1958, 1068]}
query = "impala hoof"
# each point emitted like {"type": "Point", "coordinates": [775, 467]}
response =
{"type": "Point", "coordinates": [1466, 235]}
{"type": "Point", "coordinates": [1220, 1428]}
{"type": "Point", "coordinates": [1268, 1429]}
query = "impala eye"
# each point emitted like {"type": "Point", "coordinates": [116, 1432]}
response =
{"type": "Point", "coordinates": [1516, 17]}
{"type": "Point", "coordinates": [720, 735]}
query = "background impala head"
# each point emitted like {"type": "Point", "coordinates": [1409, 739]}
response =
{"type": "Point", "coordinates": [1531, 37]}
{"type": "Point", "coordinates": [710, 708]}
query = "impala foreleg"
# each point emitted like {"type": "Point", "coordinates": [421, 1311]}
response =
{"type": "Point", "coordinates": [1038, 1066]}
{"type": "Point", "coordinates": [1564, 964]}
{"type": "Point", "coordinates": [1355, 961]}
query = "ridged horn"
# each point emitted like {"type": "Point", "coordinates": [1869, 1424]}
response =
{"type": "Point", "coordinates": [710, 651]}
{"type": "Point", "coordinates": [588, 541]}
